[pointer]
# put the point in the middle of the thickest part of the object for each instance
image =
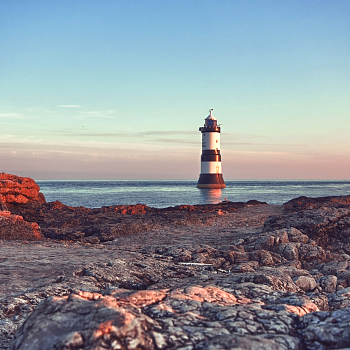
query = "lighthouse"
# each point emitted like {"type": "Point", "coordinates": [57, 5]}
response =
{"type": "Point", "coordinates": [210, 176]}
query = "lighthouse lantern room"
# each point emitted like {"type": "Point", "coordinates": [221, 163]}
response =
{"type": "Point", "coordinates": [210, 176]}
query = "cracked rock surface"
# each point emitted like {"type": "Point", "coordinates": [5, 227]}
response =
{"type": "Point", "coordinates": [254, 277]}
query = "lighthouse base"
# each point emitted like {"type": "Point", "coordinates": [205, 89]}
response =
{"type": "Point", "coordinates": [211, 181]}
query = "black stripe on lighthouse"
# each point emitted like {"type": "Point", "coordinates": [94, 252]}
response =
{"type": "Point", "coordinates": [211, 158]}
{"type": "Point", "coordinates": [210, 151]}
{"type": "Point", "coordinates": [211, 179]}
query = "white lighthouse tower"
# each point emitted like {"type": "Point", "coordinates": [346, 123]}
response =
{"type": "Point", "coordinates": [210, 176]}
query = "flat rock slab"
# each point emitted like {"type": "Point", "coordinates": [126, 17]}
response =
{"type": "Point", "coordinates": [192, 317]}
{"type": "Point", "coordinates": [31, 271]}
{"type": "Point", "coordinates": [191, 278]}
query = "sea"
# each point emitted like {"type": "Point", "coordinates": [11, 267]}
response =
{"type": "Point", "coordinates": [164, 193]}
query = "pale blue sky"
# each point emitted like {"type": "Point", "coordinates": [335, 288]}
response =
{"type": "Point", "coordinates": [118, 89]}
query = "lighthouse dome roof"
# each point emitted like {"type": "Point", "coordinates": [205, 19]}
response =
{"type": "Point", "coordinates": [210, 116]}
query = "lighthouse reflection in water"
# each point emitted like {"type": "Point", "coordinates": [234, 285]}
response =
{"type": "Point", "coordinates": [211, 196]}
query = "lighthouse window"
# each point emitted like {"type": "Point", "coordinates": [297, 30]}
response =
{"type": "Point", "coordinates": [216, 141]}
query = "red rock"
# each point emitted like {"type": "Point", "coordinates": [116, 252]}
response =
{"type": "Point", "coordinates": [14, 227]}
{"type": "Point", "coordinates": [19, 190]}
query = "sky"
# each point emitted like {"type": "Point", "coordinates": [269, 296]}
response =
{"type": "Point", "coordinates": [115, 89]}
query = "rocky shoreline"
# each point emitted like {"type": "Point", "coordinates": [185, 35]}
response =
{"type": "Point", "coordinates": [226, 276]}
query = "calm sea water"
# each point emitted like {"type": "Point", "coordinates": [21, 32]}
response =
{"type": "Point", "coordinates": [160, 194]}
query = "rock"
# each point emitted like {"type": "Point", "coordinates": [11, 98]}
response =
{"type": "Point", "coordinates": [334, 267]}
{"type": "Point", "coordinates": [181, 317]}
{"type": "Point", "coordinates": [59, 221]}
{"type": "Point", "coordinates": [326, 220]}
{"type": "Point", "coordinates": [14, 227]}
{"type": "Point", "coordinates": [19, 190]}
{"type": "Point", "coordinates": [310, 255]}
{"type": "Point", "coordinates": [295, 235]}
{"type": "Point", "coordinates": [3, 206]}
{"type": "Point", "coordinates": [306, 283]}
{"type": "Point", "coordinates": [307, 203]}
{"type": "Point", "coordinates": [263, 257]}
{"type": "Point", "coordinates": [241, 257]}
{"type": "Point", "coordinates": [99, 322]}
{"type": "Point", "coordinates": [293, 271]}
{"type": "Point", "coordinates": [320, 300]}
{"type": "Point", "coordinates": [267, 241]}
{"type": "Point", "coordinates": [251, 342]}
{"type": "Point", "coordinates": [182, 255]}
{"type": "Point", "coordinates": [288, 250]}
{"type": "Point", "coordinates": [201, 280]}
{"type": "Point", "coordinates": [326, 330]}
{"type": "Point", "coordinates": [344, 278]}
{"type": "Point", "coordinates": [272, 277]}
{"type": "Point", "coordinates": [339, 299]}
{"type": "Point", "coordinates": [251, 266]}
{"type": "Point", "coordinates": [328, 283]}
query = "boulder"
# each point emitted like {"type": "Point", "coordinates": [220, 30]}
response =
{"type": "Point", "coordinates": [306, 283]}
{"type": "Point", "coordinates": [270, 276]}
{"type": "Point", "coordinates": [344, 279]}
{"type": "Point", "coordinates": [263, 257]}
{"type": "Point", "coordinates": [326, 330]}
{"type": "Point", "coordinates": [311, 255]}
{"type": "Point", "coordinates": [328, 283]}
{"type": "Point", "coordinates": [339, 299]}
{"type": "Point", "coordinates": [295, 235]}
{"type": "Point", "coordinates": [325, 220]}
{"type": "Point", "coordinates": [82, 321]}
{"type": "Point", "coordinates": [267, 240]}
{"type": "Point", "coordinates": [288, 250]}
{"type": "Point", "coordinates": [334, 267]}
{"type": "Point", "coordinates": [16, 190]}
{"type": "Point", "coordinates": [14, 227]}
